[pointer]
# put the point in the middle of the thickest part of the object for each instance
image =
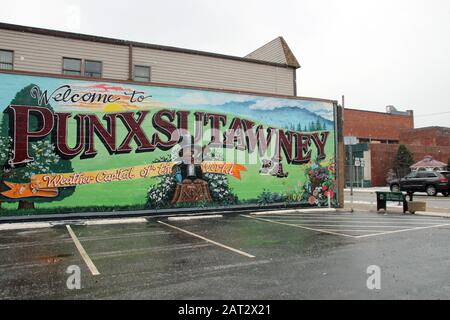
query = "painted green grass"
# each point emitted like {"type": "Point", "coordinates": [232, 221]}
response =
{"type": "Point", "coordinates": [133, 193]}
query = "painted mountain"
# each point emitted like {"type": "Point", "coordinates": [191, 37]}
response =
{"type": "Point", "coordinates": [288, 117]}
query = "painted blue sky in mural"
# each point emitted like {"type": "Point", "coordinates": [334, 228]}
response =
{"type": "Point", "coordinates": [294, 114]}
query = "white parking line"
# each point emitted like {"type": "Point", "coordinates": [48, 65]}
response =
{"type": "Point", "coordinates": [349, 226]}
{"type": "Point", "coordinates": [208, 240]}
{"type": "Point", "coordinates": [299, 226]}
{"type": "Point", "coordinates": [351, 230]}
{"type": "Point", "coordinates": [83, 253]}
{"type": "Point", "coordinates": [339, 231]}
{"type": "Point", "coordinates": [377, 223]}
{"type": "Point", "coordinates": [355, 217]}
{"type": "Point", "coordinates": [404, 230]}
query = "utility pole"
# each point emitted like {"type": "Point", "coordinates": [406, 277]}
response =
{"type": "Point", "coordinates": [351, 177]}
{"type": "Point", "coordinates": [351, 160]}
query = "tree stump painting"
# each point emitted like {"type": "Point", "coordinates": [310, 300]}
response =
{"type": "Point", "coordinates": [193, 188]}
{"type": "Point", "coordinates": [192, 191]}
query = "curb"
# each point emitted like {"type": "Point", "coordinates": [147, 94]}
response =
{"type": "Point", "coordinates": [433, 214]}
{"type": "Point", "coordinates": [23, 224]}
{"type": "Point", "coordinates": [52, 224]}
{"type": "Point", "coordinates": [188, 218]}
{"type": "Point", "coordinates": [294, 211]}
{"type": "Point", "coordinates": [163, 213]}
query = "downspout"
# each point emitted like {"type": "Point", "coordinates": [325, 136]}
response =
{"type": "Point", "coordinates": [130, 62]}
{"type": "Point", "coordinates": [295, 81]}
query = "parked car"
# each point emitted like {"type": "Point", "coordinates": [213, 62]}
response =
{"type": "Point", "coordinates": [431, 182]}
{"type": "Point", "coordinates": [447, 175]}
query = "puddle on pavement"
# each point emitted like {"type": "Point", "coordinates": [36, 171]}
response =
{"type": "Point", "coordinates": [53, 259]}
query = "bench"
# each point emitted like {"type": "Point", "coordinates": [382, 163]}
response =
{"type": "Point", "coordinates": [383, 197]}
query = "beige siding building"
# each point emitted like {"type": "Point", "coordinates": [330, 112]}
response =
{"type": "Point", "coordinates": [270, 69]}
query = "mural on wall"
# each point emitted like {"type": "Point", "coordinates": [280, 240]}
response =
{"type": "Point", "coordinates": [75, 145]}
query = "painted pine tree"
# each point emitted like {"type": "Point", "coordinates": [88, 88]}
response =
{"type": "Point", "coordinates": [45, 159]}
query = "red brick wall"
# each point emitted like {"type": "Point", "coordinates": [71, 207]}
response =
{"type": "Point", "coordinates": [431, 136]}
{"type": "Point", "coordinates": [383, 155]}
{"type": "Point", "coordinates": [375, 125]}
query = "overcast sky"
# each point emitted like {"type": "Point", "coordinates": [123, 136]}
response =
{"type": "Point", "coordinates": [376, 53]}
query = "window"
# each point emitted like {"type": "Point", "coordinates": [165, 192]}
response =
{"type": "Point", "coordinates": [424, 174]}
{"type": "Point", "coordinates": [421, 175]}
{"type": "Point", "coordinates": [92, 69]}
{"type": "Point", "coordinates": [142, 73]}
{"type": "Point", "coordinates": [6, 59]}
{"type": "Point", "coordinates": [412, 175]}
{"type": "Point", "coordinates": [72, 66]}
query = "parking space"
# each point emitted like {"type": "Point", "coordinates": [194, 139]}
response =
{"type": "Point", "coordinates": [367, 198]}
{"type": "Point", "coordinates": [294, 255]}
{"type": "Point", "coordinates": [150, 248]}
{"type": "Point", "coordinates": [351, 225]}
{"type": "Point", "coordinates": [33, 262]}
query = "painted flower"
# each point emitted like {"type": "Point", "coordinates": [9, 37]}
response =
{"type": "Point", "coordinates": [312, 200]}
{"type": "Point", "coordinates": [331, 193]}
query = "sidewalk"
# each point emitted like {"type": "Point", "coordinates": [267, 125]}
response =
{"type": "Point", "coordinates": [375, 189]}
{"type": "Point", "coordinates": [395, 209]}
{"type": "Point", "coordinates": [368, 190]}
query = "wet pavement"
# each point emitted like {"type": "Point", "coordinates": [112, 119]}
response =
{"type": "Point", "coordinates": [277, 256]}
{"type": "Point", "coordinates": [370, 198]}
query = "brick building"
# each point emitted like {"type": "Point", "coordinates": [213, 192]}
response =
{"type": "Point", "coordinates": [377, 127]}
{"type": "Point", "coordinates": [379, 136]}
{"type": "Point", "coordinates": [430, 136]}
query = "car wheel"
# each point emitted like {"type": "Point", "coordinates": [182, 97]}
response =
{"type": "Point", "coordinates": [395, 188]}
{"type": "Point", "coordinates": [431, 191]}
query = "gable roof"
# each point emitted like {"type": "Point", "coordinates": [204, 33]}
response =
{"type": "Point", "coordinates": [92, 38]}
{"type": "Point", "coordinates": [276, 51]}
{"type": "Point", "coordinates": [429, 162]}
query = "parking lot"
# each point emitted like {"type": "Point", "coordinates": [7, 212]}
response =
{"type": "Point", "coordinates": [240, 256]}
{"type": "Point", "coordinates": [368, 199]}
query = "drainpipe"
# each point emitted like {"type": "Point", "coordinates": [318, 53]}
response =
{"type": "Point", "coordinates": [130, 62]}
{"type": "Point", "coordinates": [295, 82]}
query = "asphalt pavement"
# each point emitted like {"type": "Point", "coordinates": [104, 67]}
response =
{"type": "Point", "coordinates": [273, 256]}
{"type": "Point", "coordinates": [368, 197]}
